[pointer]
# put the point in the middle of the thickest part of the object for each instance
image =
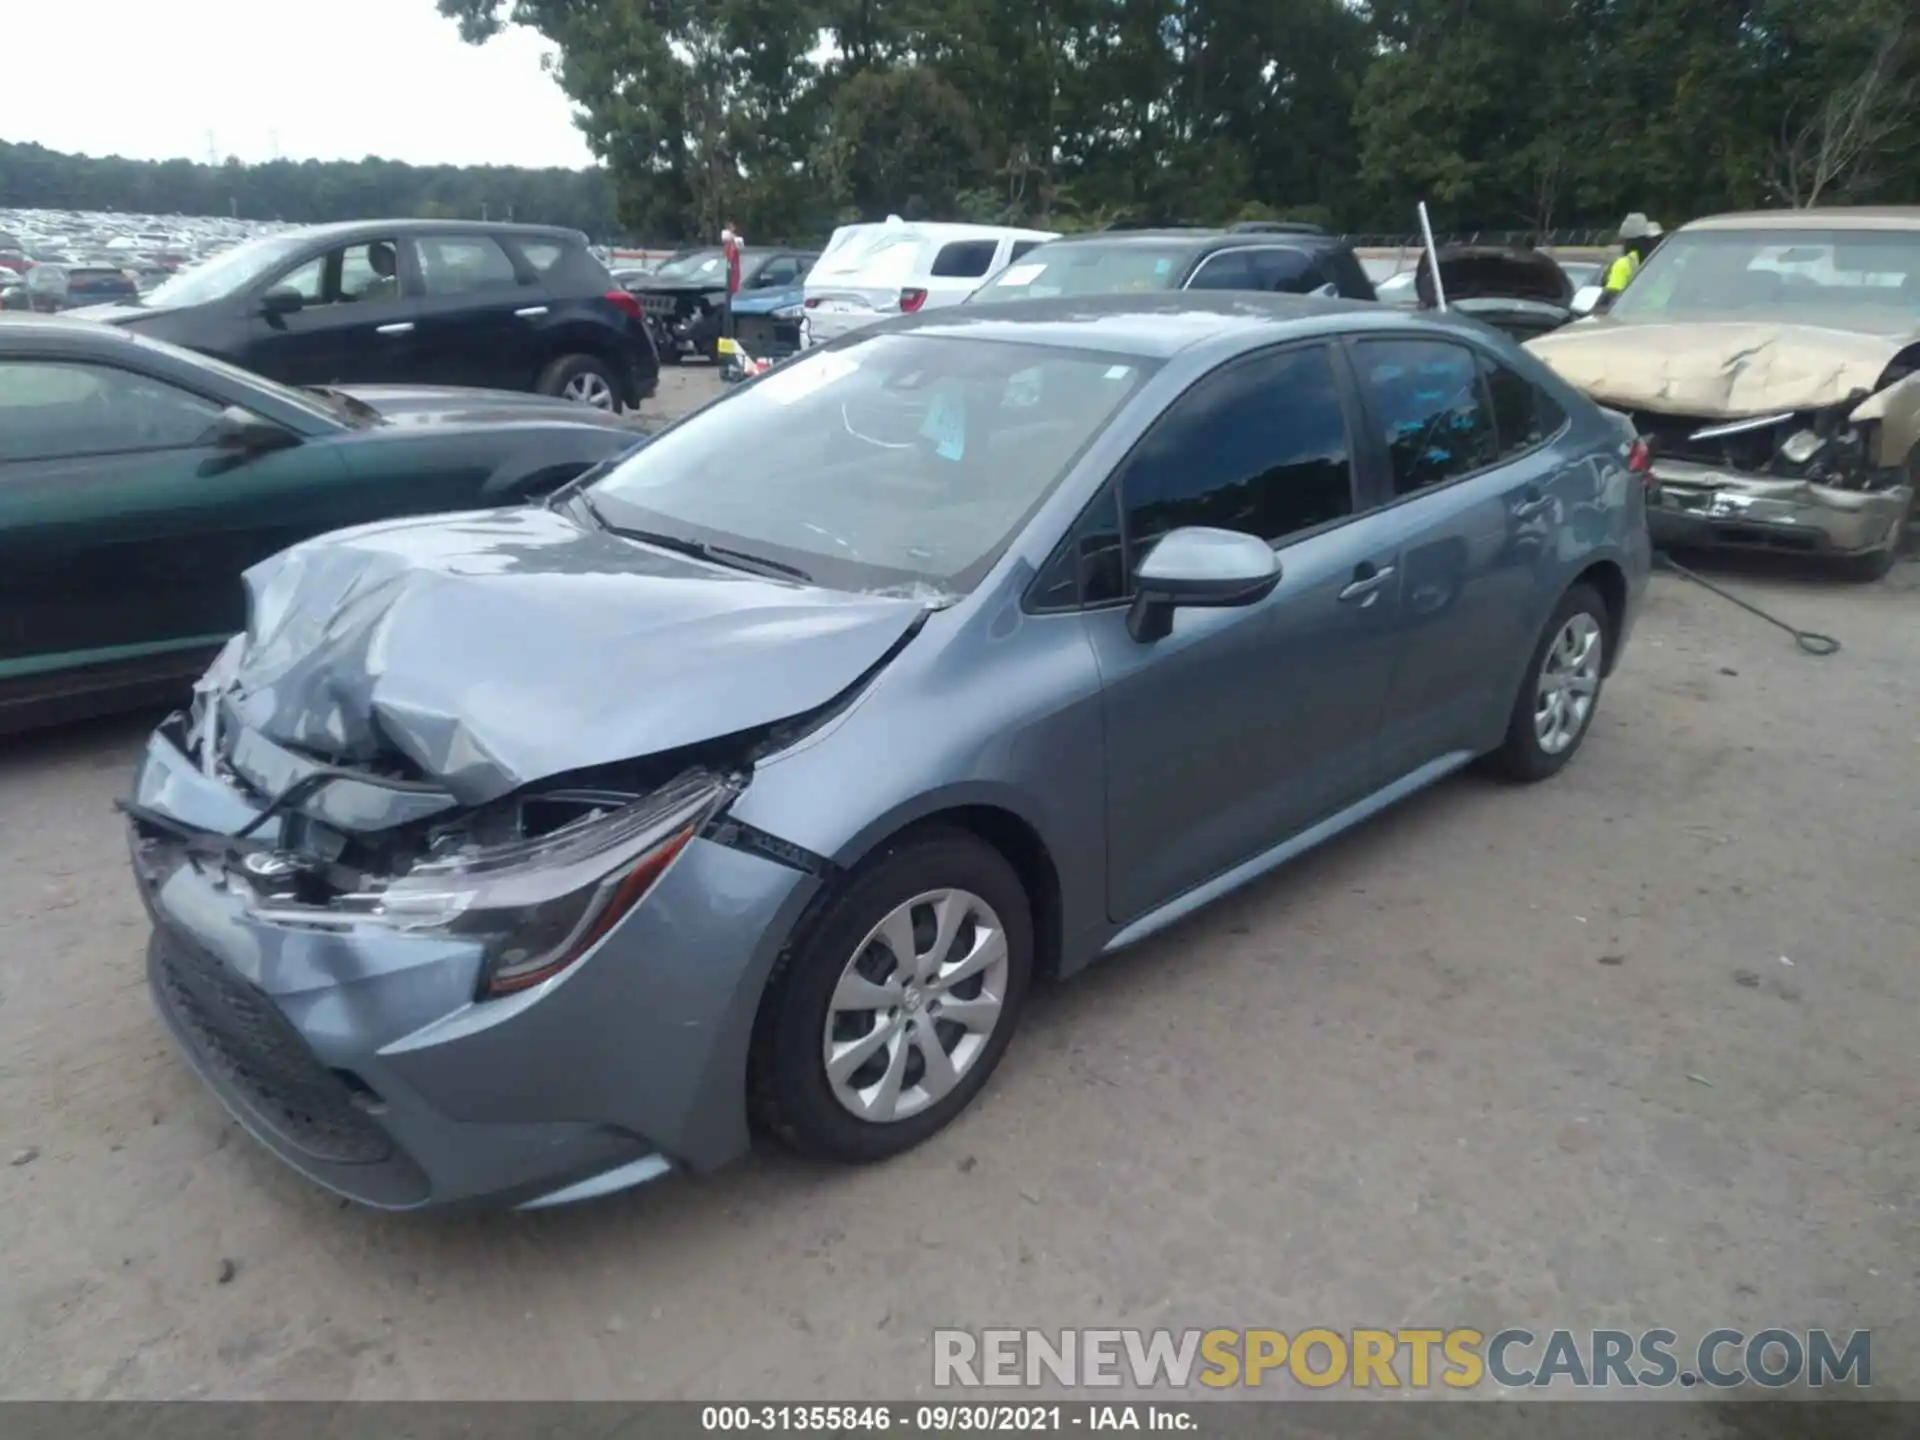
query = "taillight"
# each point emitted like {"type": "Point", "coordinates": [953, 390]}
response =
{"type": "Point", "coordinates": [912, 300]}
{"type": "Point", "coordinates": [1640, 462]}
{"type": "Point", "coordinates": [630, 304]}
{"type": "Point", "coordinates": [814, 303]}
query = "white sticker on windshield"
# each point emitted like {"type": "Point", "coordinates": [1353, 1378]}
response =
{"type": "Point", "coordinates": [1020, 274]}
{"type": "Point", "coordinates": [797, 381]}
{"type": "Point", "coordinates": [1119, 372]}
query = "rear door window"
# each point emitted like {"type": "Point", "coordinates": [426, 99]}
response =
{"type": "Point", "coordinates": [1524, 415]}
{"type": "Point", "coordinates": [965, 259]}
{"type": "Point", "coordinates": [1226, 270]}
{"type": "Point", "coordinates": [464, 265]}
{"type": "Point", "coordinates": [1290, 272]}
{"type": "Point", "coordinates": [1425, 398]}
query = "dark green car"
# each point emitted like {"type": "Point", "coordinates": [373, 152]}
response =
{"type": "Point", "coordinates": [137, 481]}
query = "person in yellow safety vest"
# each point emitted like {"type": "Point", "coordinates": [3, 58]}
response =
{"type": "Point", "coordinates": [1638, 236]}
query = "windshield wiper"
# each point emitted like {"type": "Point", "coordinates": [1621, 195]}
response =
{"type": "Point", "coordinates": [699, 549]}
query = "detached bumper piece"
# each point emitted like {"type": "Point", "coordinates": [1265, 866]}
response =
{"type": "Point", "coordinates": [1700, 505]}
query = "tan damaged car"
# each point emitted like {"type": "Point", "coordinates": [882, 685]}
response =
{"type": "Point", "coordinates": [1772, 361]}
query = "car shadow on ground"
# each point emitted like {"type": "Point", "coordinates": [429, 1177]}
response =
{"type": "Point", "coordinates": [103, 742]}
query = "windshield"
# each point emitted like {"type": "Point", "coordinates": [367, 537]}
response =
{"type": "Point", "coordinates": [1859, 276]}
{"type": "Point", "coordinates": [227, 273]}
{"type": "Point", "coordinates": [703, 265]}
{"type": "Point", "coordinates": [902, 461]}
{"type": "Point", "coordinates": [1087, 269]}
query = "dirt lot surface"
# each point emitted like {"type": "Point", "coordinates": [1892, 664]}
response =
{"type": "Point", "coordinates": [1501, 1057]}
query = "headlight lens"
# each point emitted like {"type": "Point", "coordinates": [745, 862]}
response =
{"type": "Point", "coordinates": [1800, 447]}
{"type": "Point", "coordinates": [789, 312]}
{"type": "Point", "coordinates": [538, 905]}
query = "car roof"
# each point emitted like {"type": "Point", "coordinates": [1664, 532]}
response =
{"type": "Point", "coordinates": [382, 229]}
{"type": "Point", "coordinates": [1199, 238]}
{"type": "Point", "coordinates": [1160, 324]}
{"type": "Point", "coordinates": [947, 229]}
{"type": "Point", "coordinates": [57, 332]}
{"type": "Point", "coordinates": [1838, 217]}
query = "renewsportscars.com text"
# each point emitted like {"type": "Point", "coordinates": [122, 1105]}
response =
{"type": "Point", "coordinates": [1458, 1359]}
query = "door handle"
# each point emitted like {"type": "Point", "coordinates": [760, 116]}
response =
{"type": "Point", "coordinates": [1532, 503]}
{"type": "Point", "coordinates": [529, 312]}
{"type": "Point", "coordinates": [403, 327]}
{"type": "Point", "coordinates": [1367, 580]}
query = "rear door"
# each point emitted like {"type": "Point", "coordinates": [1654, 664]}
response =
{"type": "Point", "coordinates": [354, 325]}
{"type": "Point", "coordinates": [1244, 727]}
{"type": "Point", "coordinates": [122, 531]}
{"type": "Point", "coordinates": [473, 313]}
{"type": "Point", "coordinates": [1473, 496]}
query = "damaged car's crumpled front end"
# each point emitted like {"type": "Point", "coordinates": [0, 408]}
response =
{"type": "Point", "coordinates": [397, 909]}
{"type": "Point", "coordinates": [1780, 436]}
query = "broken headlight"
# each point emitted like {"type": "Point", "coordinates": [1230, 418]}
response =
{"type": "Point", "coordinates": [1829, 451]}
{"type": "Point", "coordinates": [539, 904]}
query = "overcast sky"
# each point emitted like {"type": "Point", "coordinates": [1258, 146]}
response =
{"type": "Point", "coordinates": [336, 80]}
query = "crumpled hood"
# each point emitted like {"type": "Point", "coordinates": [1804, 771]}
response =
{"type": "Point", "coordinates": [500, 647]}
{"type": "Point", "coordinates": [1729, 369]}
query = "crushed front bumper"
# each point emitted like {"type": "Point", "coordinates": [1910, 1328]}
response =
{"type": "Point", "coordinates": [361, 1057]}
{"type": "Point", "coordinates": [1700, 505]}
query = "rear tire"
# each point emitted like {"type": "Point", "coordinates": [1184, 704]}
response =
{"type": "Point", "coordinates": [585, 379]}
{"type": "Point", "coordinates": [837, 1077]}
{"type": "Point", "coordinates": [1561, 691]}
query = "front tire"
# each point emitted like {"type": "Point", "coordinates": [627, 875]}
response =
{"type": "Point", "coordinates": [1557, 700]}
{"type": "Point", "coordinates": [891, 1010]}
{"type": "Point", "coordinates": [586, 379]}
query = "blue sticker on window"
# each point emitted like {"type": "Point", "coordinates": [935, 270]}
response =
{"type": "Point", "coordinates": [1161, 267]}
{"type": "Point", "coordinates": [946, 426]}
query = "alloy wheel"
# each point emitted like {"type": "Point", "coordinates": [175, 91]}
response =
{"type": "Point", "coordinates": [915, 1005]}
{"type": "Point", "coordinates": [1569, 683]}
{"type": "Point", "coordinates": [589, 388]}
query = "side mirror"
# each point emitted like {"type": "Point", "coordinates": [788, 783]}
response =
{"type": "Point", "coordinates": [281, 302]}
{"type": "Point", "coordinates": [1200, 568]}
{"type": "Point", "coordinates": [1591, 300]}
{"type": "Point", "coordinates": [240, 432]}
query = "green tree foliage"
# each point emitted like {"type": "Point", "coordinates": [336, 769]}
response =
{"type": "Point", "coordinates": [789, 116]}
{"type": "Point", "coordinates": [307, 190]}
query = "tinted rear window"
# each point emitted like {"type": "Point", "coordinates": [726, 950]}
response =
{"type": "Point", "coordinates": [1087, 268]}
{"type": "Point", "coordinates": [965, 259]}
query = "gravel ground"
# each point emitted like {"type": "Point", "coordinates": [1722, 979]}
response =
{"type": "Point", "coordinates": [1500, 1057]}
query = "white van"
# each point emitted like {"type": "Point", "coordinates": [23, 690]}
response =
{"type": "Point", "coordinates": [868, 272]}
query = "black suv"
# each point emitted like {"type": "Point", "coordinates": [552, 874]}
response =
{"type": "Point", "coordinates": [1262, 255]}
{"type": "Point", "coordinates": [417, 302]}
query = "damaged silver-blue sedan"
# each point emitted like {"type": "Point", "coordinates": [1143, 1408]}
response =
{"type": "Point", "coordinates": [526, 855]}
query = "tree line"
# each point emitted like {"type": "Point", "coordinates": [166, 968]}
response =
{"type": "Point", "coordinates": [306, 191]}
{"type": "Point", "coordinates": [792, 116]}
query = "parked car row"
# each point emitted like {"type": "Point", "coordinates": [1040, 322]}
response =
{"type": "Point", "coordinates": [543, 782]}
